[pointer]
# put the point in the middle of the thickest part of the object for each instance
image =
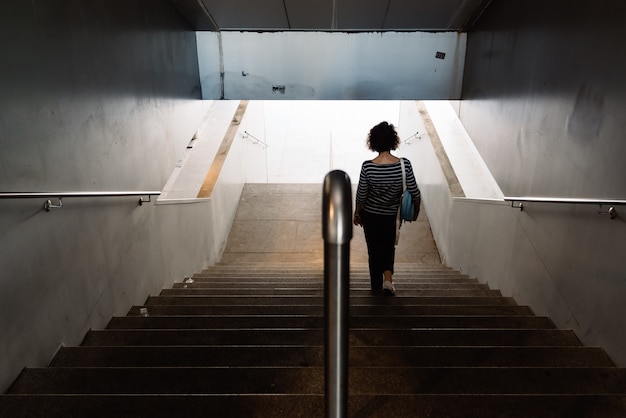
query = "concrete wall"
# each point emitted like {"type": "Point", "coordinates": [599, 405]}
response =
{"type": "Point", "coordinates": [321, 65]}
{"type": "Point", "coordinates": [549, 79]}
{"type": "Point", "coordinates": [436, 196]}
{"type": "Point", "coordinates": [543, 101]}
{"type": "Point", "coordinates": [93, 96]}
{"type": "Point", "coordinates": [563, 262]}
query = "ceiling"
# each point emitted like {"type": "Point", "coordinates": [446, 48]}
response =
{"type": "Point", "coordinates": [331, 15]}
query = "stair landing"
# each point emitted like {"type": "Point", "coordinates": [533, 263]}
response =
{"type": "Point", "coordinates": [283, 223]}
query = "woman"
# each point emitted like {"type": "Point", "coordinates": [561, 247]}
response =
{"type": "Point", "coordinates": [377, 202]}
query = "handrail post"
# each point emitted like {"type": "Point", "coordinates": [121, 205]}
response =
{"type": "Point", "coordinates": [337, 232]}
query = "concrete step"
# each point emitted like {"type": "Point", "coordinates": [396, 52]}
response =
{"type": "Point", "coordinates": [313, 356]}
{"type": "Point", "coordinates": [309, 282]}
{"type": "Point", "coordinates": [355, 268]}
{"type": "Point", "coordinates": [311, 336]}
{"type": "Point", "coordinates": [280, 406]}
{"type": "Point", "coordinates": [399, 300]}
{"type": "Point", "coordinates": [310, 380]}
{"type": "Point", "coordinates": [399, 268]}
{"type": "Point", "coordinates": [311, 321]}
{"type": "Point", "coordinates": [221, 285]}
{"type": "Point", "coordinates": [319, 275]}
{"type": "Point", "coordinates": [319, 281]}
{"type": "Point", "coordinates": [363, 309]}
{"type": "Point", "coordinates": [294, 292]}
{"type": "Point", "coordinates": [312, 266]}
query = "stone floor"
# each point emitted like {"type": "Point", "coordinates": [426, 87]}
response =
{"type": "Point", "coordinates": [283, 222]}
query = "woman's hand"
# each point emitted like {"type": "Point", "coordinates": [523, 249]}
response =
{"type": "Point", "coordinates": [357, 214]}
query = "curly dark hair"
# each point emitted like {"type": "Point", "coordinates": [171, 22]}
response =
{"type": "Point", "coordinates": [383, 137]}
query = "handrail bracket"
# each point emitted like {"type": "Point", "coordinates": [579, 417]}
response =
{"type": "Point", "coordinates": [49, 205]}
{"type": "Point", "coordinates": [142, 200]}
{"type": "Point", "coordinates": [611, 212]}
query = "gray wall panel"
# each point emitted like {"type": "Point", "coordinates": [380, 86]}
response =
{"type": "Point", "coordinates": [548, 78]}
{"type": "Point", "coordinates": [93, 96]}
{"type": "Point", "coordinates": [543, 100]}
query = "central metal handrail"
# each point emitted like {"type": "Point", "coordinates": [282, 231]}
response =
{"type": "Point", "coordinates": [337, 233]}
{"type": "Point", "coordinates": [60, 195]}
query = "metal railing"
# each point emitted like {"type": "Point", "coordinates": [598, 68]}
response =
{"type": "Point", "coordinates": [337, 233]}
{"type": "Point", "coordinates": [256, 140]}
{"type": "Point", "coordinates": [611, 211]}
{"type": "Point", "coordinates": [48, 204]}
{"type": "Point", "coordinates": [408, 139]}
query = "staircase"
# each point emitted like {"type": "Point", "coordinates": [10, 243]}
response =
{"type": "Point", "coordinates": [246, 340]}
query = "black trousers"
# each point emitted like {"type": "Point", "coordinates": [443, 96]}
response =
{"type": "Point", "coordinates": [380, 236]}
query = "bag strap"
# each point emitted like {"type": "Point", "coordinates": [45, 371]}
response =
{"type": "Point", "coordinates": [398, 219]}
{"type": "Point", "coordinates": [403, 175]}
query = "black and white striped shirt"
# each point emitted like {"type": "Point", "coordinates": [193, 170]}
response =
{"type": "Point", "coordinates": [380, 187]}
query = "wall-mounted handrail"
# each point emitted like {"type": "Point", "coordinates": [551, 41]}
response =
{"type": "Point", "coordinates": [406, 140]}
{"type": "Point", "coordinates": [612, 212]}
{"type": "Point", "coordinates": [337, 233]}
{"type": "Point", "coordinates": [247, 134]}
{"type": "Point", "coordinates": [576, 201]}
{"type": "Point", "coordinates": [60, 195]}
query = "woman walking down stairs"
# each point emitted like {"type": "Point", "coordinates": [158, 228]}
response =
{"type": "Point", "coordinates": [246, 340]}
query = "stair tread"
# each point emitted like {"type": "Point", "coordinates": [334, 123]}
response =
{"type": "Point", "coordinates": [310, 380]}
{"type": "Point", "coordinates": [317, 321]}
{"type": "Point", "coordinates": [360, 337]}
{"type": "Point", "coordinates": [319, 300]}
{"type": "Point", "coordinates": [223, 285]}
{"type": "Point", "coordinates": [364, 309]}
{"type": "Point", "coordinates": [285, 405]}
{"type": "Point", "coordinates": [292, 292]}
{"type": "Point", "coordinates": [319, 277]}
{"type": "Point", "coordinates": [275, 355]}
